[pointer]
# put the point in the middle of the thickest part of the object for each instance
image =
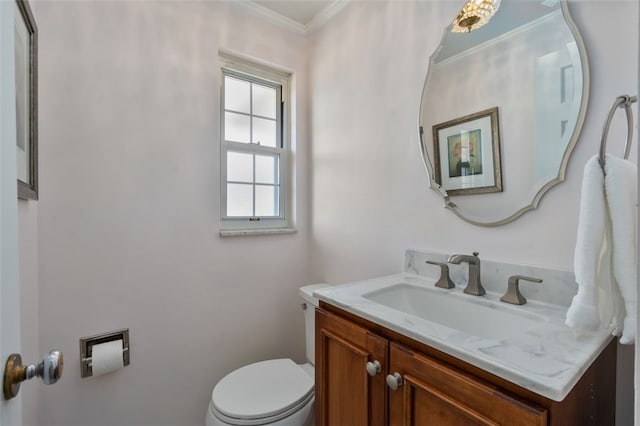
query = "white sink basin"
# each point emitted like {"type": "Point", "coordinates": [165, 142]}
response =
{"type": "Point", "coordinates": [527, 345]}
{"type": "Point", "coordinates": [482, 318]}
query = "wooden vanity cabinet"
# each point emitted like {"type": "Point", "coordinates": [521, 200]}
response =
{"type": "Point", "coordinates": [433, 394]}
{"type": "Point", "coordinates": [345, 393]}
{"type": "Point", "coordinates": [436, 389]}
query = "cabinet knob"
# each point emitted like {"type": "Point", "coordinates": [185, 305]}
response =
{"type": "Point", "coordinates": [394, 381]}
{"type": "Point", "coordinates": [374, 368]}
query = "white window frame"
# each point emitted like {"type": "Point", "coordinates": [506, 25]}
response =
{"type": "Point", "coordinates": [257, 73]}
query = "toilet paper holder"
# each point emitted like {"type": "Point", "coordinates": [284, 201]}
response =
{"type": "Point", "coordinates": [87, 343]}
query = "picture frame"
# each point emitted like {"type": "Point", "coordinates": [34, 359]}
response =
{"type": "Point", "coordinates": [26, 86]}
{"type": "Point", "coordinates": [467, 154]}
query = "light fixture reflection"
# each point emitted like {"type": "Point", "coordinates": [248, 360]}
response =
{"type": "Point", "coordinates": [474, 14]}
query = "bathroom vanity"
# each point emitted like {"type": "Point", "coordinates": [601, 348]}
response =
{"type": "Point", "coordinates": [378, 362]}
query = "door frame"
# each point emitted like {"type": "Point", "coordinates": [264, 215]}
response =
{"type": "Point", "coordinates": [10, 319]}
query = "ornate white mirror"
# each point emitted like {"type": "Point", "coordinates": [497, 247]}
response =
{"type": "Point", "coordinates": [502, 109]}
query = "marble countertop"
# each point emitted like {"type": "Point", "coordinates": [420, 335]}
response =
{"type": "Point", "coordinates": [547, 358]}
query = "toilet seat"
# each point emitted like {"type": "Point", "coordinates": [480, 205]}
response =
{"type": "Point", "coordinates": [262, 393]}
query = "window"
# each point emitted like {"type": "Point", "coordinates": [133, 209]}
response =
{"type": "Point", "coordinates": [255, 151]}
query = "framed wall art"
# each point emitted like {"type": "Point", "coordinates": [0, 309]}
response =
{"type": "Point", "coordinates": [467, 154]}
{"type": "Point", "coordinates": [26, 84]}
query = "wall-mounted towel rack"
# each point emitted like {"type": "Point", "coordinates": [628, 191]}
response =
{"type": "Point", "coordinates": [625, 102]}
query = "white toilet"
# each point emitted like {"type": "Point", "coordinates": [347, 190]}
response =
{"type": "Point", "coordinates": [276, 392]}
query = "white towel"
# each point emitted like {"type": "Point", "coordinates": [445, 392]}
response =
{"type": "Point", "coordinates": [605, 256]}
{"type": "Point", "coordinates": [621, 189]}
{"type": "Point", "coordinates": [583, 312]}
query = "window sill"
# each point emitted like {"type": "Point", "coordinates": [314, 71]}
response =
{"type": "Point", "coordinates": [263, 231]}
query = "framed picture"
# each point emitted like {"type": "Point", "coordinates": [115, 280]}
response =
{"type": "Point", "coordinates": [467, 154]}
{"type": "Point", "coordinates": [26, 74]}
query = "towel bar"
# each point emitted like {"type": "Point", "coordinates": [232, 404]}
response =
{"type": "Point", "coordinates": [625, 102]}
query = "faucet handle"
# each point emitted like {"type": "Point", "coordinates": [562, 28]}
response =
{"type": "Point", "coordinates": [513, 294]}
{"type": "Point", "coordinates": [444, 281]}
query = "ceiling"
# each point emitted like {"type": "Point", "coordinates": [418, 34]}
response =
{"type": "Point", "coordinates": [301, 11]}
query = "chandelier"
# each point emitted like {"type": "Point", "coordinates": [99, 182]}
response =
{"type": "Point", "coordinates": [474, 14]}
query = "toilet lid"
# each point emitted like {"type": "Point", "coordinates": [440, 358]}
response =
{"type": "Point", "coordinates": [263, 389]}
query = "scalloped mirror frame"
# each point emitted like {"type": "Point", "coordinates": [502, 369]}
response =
{"type": "Point", "coordinates": [567, 153]}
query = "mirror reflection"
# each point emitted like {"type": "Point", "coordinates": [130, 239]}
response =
{"type": "Point", "coordinates": [502, 108]}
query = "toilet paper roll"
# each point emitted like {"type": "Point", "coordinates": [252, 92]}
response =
{"type": "Point", "coordinates": [107, 357]}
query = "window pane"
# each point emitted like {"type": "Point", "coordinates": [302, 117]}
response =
{"type": "Point", "coordinates": [239, 199]}
{"type": "Point", "coordinates": [266, 200]}
{"type": "Point", "coordinates": [264, 132]}
{"type": "Point", "coordinates": [237, 95]}
{"type": "Point", "coordinates": [264, 101]}
{"type": "Point", "coordinates": [239, 167]}
{"type": "Point", "coordinates": [266, 169]}
{"type": "Point", "coordinates": [236, 127]}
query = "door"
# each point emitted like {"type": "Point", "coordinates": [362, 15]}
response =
{"type": "Point", "coordinates": [429, 393]}
{"type": "Point", "coordinates": [10, 411]}
{"type": "Point", "coordinates": [558, 87]}
{"type": "Point", "coordinates": [350, 373]}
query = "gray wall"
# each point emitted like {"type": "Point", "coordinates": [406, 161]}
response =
{"type": "Point", "coordinates": [370, 199]}
{"type": "Point", "coordinates": [30, 349]}
{"type": "Point", "coordinates": [128, 212]}
{"type": "Point", "coordinates": [125, 231]}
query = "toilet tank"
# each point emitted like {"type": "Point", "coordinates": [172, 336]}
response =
{"type": "Point", "coordinates": [311, 303]}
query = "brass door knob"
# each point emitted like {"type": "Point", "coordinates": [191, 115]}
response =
{"type": "Point", "coordinates": [49, 369]}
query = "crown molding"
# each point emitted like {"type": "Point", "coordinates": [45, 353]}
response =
{"type": "Point", "coordinates": [271, 16]}
{"type": "Point", "coordinates": [326, 14]}
{"type": "Point", "coordinates": [289, 24]}
{"type": "Point", "coordinates": [489, 43]}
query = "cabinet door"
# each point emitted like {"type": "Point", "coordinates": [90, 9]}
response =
{"type": "Point", "coordinates": [345, 393]}
{"type": "Point", "coordinates": [433, 394]}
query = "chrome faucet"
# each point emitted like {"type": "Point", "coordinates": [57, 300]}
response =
{"type": "Point", "coordinates": [474, 286]}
